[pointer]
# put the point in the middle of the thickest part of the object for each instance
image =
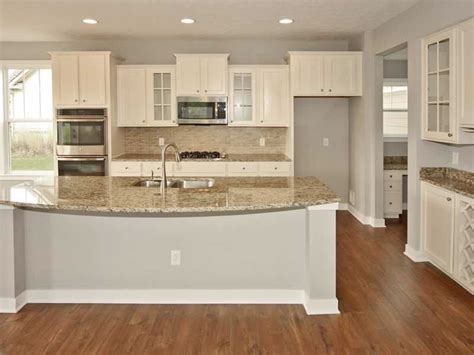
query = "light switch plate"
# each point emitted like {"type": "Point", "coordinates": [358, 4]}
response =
{"type": "Point", "coordinates": [326, 142]}
{"type": "Point", "coordinates": [175, 257]}
{"type": "Point", "coordinates": [161, 141]}
{"type": "Point", "coordinates": [262, 142]}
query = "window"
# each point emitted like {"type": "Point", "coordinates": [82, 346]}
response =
{"type": "Point", "coordinates": [395, 109]}
{"type": "Point", "coordinates": [29, 119]}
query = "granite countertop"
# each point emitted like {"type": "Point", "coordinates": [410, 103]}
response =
{"type": "Point", "coordinates": [229, 158]}
{"type": "Point", "coordinates": [458, 181]}
{"type": "Point", "coordinates": [395, 163]}
{"type": "Point", "coordinates": [117, 194]}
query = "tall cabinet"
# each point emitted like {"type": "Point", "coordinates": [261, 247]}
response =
{"type": "Point", "coordinates": [448, 85]}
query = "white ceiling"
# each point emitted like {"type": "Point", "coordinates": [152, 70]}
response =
{"type": "Point", "coordinates": [60, 20]}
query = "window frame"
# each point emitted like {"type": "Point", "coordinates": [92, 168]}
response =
{"type": "Point", "coordinates": [5, 149]}
{"type": "Point", "coordinates": [395, 82]}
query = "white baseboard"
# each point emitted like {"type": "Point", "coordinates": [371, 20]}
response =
{"type": "Point", "coordinates": [177, 296]}
{"type": "Point", "coordinates": [414, 254]}
{"type": "Point", "coordinates": [13, 305]}
{"type": "Point", "coordinates": [373, 222]}
{"type": "Point", "coordinates": [321, 306]}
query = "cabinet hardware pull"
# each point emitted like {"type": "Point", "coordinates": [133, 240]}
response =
{"type": "Point", "coordinates": [391, 175]}
{"type": "Point", "coordinates": [390, 203]}
{"type": "Point", "coordinates": [76, 100]}
{"type": "Point", "coordinates": [197, 90]}
{"type": "Point", "coordinates": [275, 168]}
{"type": "Point", "coordinates": [450, 134]}
{"type": "Point", "coordinates": [330, 90]}
{"type": "Point", "coordinates": [205, 90]}
{"type": "Point", "coordinates": [390, 186]}
{"type": "Point", "coordinates": [322, 90]}
{"type": "Point", "coordinates": [83, 100]}
{"type": "Point", "coordinates": [448, 199]}
{"type": "Point", "coordinates": [243, 168]}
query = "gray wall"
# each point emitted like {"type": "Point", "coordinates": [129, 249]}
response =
{"type": "Point", "coordinates": [244, 51]}
{"type": "Point", "coordinates": [427, 16]}
{"type": "Point", "coordinates": [395, 149]}
{"type": "Point", "coordinates": [316, 119]}
{"type": "Point", "coordinates": [395, 69]}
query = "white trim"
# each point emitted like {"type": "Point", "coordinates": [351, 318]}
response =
{"type": "Point", "coordinates": [13, 305]}
{"type": "Point", "coordinates": [25, 64]}
{"type": "Point", "coordinates": [343, 206]}
{"type": "Point", "coordinates": [366, 220]}
{"type": "Point", "coordinates": [172, 296]}
{"type": "Point", "coordinates": [416, 255]}
{"type": "Point", "coordinates": [321, 306]}
{"type": "Point", "coordinates": [329, 206]}
{"type": "Point", "coordinates": [6, 207]}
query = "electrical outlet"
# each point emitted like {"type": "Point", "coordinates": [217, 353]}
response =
{"type": "Point", "coordinates": [262, 142]}
{"type": "Point", "coordinates": [175, 257]}
{"type": "Point", "coordinates": [455, 158]}
{"type": "Point", "coordinates": [161, 141]}
{"type": "Point", "coordinates": [326, 142]}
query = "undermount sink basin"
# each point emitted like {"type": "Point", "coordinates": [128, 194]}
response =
{"type": "Point", "coordinates": [179, 183]}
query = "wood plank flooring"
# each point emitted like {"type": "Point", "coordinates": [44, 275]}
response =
{"type": "Point", "coordinates": [388, 305]}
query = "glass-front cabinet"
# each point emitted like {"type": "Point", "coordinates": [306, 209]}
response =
{"type": "Point", "coordinates": [439, 87]}
{"type": "Point", "coordinates": [161, 97]}
{"type": "Point", "coordinates": [242, 101]}
{"type": "Point", "coordinates": [447, 85]}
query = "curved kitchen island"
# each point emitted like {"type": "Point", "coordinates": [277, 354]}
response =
{"type": "Point", "coordinates": [105, 240]}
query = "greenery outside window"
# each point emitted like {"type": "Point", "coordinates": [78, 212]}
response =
{"type": "Point", "coordinates": [29, 119]}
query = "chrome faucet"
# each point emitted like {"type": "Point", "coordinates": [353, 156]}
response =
{"type": "Point", "coordinates": [163, 162]}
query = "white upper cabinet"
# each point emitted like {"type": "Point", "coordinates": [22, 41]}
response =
{"type": "Point", "coordinates": [146, 96]}
{"type": "Point", "coordinates": [259, 96]}
{"type": "Point", "coordinates": [131, 96]}
{"type": "Point", "coordinates": [447, 85]}
{"type": "Point", "coordinates": [80, 78]}
{"type": "Point", "coordinates": [201, 74]}
{"type": "Point", "coordinates": [273, 96]}
{"type": "Point", "coordinates": [326, 73]}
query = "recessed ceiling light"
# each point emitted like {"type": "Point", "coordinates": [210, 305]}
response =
{"type": "Point", "coordinates": [90, 21]}
{"type": "Point", "coordinates": [187, 20]}
{"type": "Point", "coordinates": [286, 21]}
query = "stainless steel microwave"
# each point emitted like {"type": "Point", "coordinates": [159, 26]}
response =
{"type": "Point", "coordinates": [202, 110]}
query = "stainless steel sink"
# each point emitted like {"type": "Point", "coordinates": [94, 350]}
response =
{"type": "Point", "coordinates": [186, 183]}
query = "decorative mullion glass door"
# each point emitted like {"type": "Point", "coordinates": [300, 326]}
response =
{"type": "Point", "coordinates": [243, 98]}
{"type": "Point", "coordinates": [162, 99]}
{"type": "Point", "coordinates": [439, 89]}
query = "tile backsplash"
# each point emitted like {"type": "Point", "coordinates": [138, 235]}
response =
{"type": "Point", "coordinates": [237, 140]}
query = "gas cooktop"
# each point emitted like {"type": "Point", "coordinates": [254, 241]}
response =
{"type": "Point", "coordinates": [196, 155]}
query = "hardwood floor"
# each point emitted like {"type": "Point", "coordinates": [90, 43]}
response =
{"type": "Point", "coordinates": [388, 305]}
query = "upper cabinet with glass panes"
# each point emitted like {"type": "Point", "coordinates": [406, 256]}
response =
{"type": "Point", "coordinates": [146, 95]}
{"type": "Point", "coordinates": [447, 85]}
{"type": "Point", "coordinates": [242, 96]}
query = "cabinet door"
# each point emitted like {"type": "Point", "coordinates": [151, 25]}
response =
{"type": "Point", "coordinates": [273, 88]}
{"type": "Point", "coordinates": [307, 75]}
{"type": "Point", "coordinates": [131, 97]}
{"type": "Point", "coordinates": [438, 97]}
{"type": "Point", "coordinates": [438, 225]}
{"type": "Point", "coordinates": [466, 95]}
{"type": "Point", "coordinates": [188, 75]}
{"type": "Point", "coordinates": [341, 75]}
{"type": "Point", "coordinates": [243, 98]}
{"type": "Point", "coordinates": [161, 102]}
{"type": "Point", "coordinates": [65, 80]}
{"type": "Point", "coordinates": [92, 79]}
{"type": "Point", "coordinates": [214, 75]}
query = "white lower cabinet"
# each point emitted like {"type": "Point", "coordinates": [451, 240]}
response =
{"type": "Point", "coordinates": [192, 168]}
{"type": "Point", "coordinates": [447, 234]}
{"type": "Point", "coordinates": [393, 193]}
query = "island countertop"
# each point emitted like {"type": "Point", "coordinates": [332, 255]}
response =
{"type": "Point", "coordinates": [118, 195]}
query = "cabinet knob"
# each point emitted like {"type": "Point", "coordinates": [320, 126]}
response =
{"type": "Point", "coordinates": [330, 90]}
{"type": "Point", "coordinates": [322, 90]}
{"type": "Point", "coordinates": [126, 168]}
{"type": "Point", "coordinates": [76, 100]}
{"type": "Point", "coordinates": [275, 168]}
{"type": "Point", "coordinates": [390, 203]}
{"type": "Point", "coordinates": [391, 175]}
{"type": "Point", "coordinates": [197, 90]}
{"type": "Point", "coordinates": [143, 121]}
{"type": "Point", "coordinates": [448, 199]}
{"type": "Point", "coordinates": [83, 100]}
{"type": "Point", "coordinates": [243, 168]}
{"type": "Point", "coordinates": [261, 121]}
{"type": "Point", "coordinates": [390, 186]}
{"type": "Point", "coordinates": [450, 134]}
{"type": "Point", "coordinates": [205, 90]}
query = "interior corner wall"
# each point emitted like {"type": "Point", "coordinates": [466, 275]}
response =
{"type": "Point", "coordinates": [426, 17]}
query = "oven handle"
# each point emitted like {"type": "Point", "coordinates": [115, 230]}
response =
{"type": "Point", "coordinates": [80, 120]}
{"type": "Point", "coordinates": [81, 159]}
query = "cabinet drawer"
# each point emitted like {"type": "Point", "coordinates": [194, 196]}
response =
{"type": "Point", "coordinates": [274, 168]}
{"type": "Point", "coordinates": [119, 168]}
{"type": "Point", "coordinates": [393, 186]}
{"type": "Point", "coordinates": [393, 202]}
{"type": "Point", "coordinates": [390, 175]}
{"type": "Point", "coordinates": [200, 169]}
{"type": "Point", "coordinates": [242, 168]}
